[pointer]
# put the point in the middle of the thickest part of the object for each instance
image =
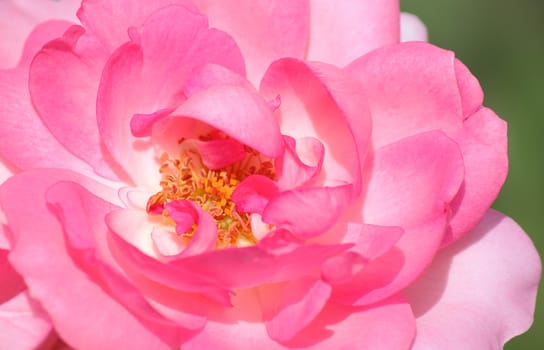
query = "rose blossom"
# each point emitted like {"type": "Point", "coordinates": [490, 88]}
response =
{"type": "Point", "coordinates": [244, 174]}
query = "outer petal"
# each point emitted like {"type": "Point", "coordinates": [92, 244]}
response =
{"type": "Point", "coordinates": [18, 19]}
{"type": "Point", "coordinates": [24, 324]}
{"type": "Point", "coordinates": [264, 30]}
{"type": "Point", "coordinates": [54, 279]}
{"type": "Point", "coordinates": [411, 185]}
{"type": "Point", "coordinates": [483, 142]}
{"type": "Point", "coordinates": [411, 88]}
{"type": "Point", "coordinates": [336, 327]}
{"type": "Point", "coordinates": [109, 20]}
{"type": "Point", "coordinates": [63, 82]}
{"type": "Point", "coordinates": [24, 141]}
{"type": "Point", "coordinates": [479, 292]}
{"type": "Point", "coordinates": [341, 31]}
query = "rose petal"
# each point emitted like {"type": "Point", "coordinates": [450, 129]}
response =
{"type": "Point", "coordinates": [301, 162]}
{"type": "Point", "coordinates": [483, 143]}
{"type": "Point", "coordinates": [24, 324]}
{"type": "Point", "coordinates": [19, 18]}
{"type": "Point", "coordinates": [411, 88]}
{"type": "Point", "coordinates": [486, 282]}
{"type": "Point", "coordinates": [264, 30]}
{"type": "Point", "coordinates": [109, 20]}
{"type": "Point", "coordinates": [314, 104]}
{"type": "Point", "coordinates": [307, 212]}
{"type": "Point", "coordinates": [54, 279]}
{"type": "Point", "coordinates": [289, 308]}
{"type": "Point", "coordinates": [63, 81]}
{"type": "Point", "coordinates": [352, 28]}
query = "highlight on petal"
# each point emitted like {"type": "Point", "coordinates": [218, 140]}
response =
{"type": "Point", "coordinates": [19, 18]}
{"type": "Point", "coordinates": [479, 292]}
{"type": "Point", "coordinates": [351, 28]}
{"type": "Point", "coordinates": [264, 30]}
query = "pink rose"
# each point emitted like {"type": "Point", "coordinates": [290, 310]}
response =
{"type": "Point", "coordinates": [253, 174]}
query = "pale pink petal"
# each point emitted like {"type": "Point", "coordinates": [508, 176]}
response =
{"type": "Point", "coordinates": [82, 217]}
{"type": "Point", "coordinates": [411, 28]}
{"type": "Point", "coordinates": [290, 307]}
{"type": "Point", "coordinates": [18, 19]}
{"type": "Point", "coordinates": [336, 327]}
{"type": "Point", "coordinates": [387, 325]}
{"type": "Point", "coordinates": [479, 292]}
{"type": "Point", "coordinates": [24, 141]}
{"type": "Point", "coordinates": [276, 258]}
{"type": "Point", "coordinates": [63, 82]}
{"type": "Point", "coordinates": [388, 274]}
{"type": "Point", "coordinates": [109, 20]}
{"type": "Point", "coordinates": [307, 212]}
{"type": "Point", "coordinates": [301, 162]}
{"type": "Point", "coordinates": [412, 179]}
{"type": "Point", "coordinates": [411, 88]}
{"type": "Point", "coordinates": [264, 30]}
{"type": "Point", "coordinates": [55, 280]}
{"type": "Point", "coordinates": [341, 31]}
{"type": "Point", "coordinates": [472, 95]}
{"type": "Point", "coordinates": [314, 103]}
{"type": "Point", "coordinates": [483, 142]}
{"type": "Point", "coordinates": [23, 323]}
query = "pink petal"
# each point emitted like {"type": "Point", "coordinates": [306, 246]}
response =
{"type": "Point", "coordinates": [411, 28]}
{"type": "Point", "coordinates": [253, 194]}
{"type": "Point", "coordinates": [307, 212]}
{"type": "Point", "coordinates": [204, 238]}
{"type": "Point", "coordinates": [82, 217]}
{"type": "Point", "coordinates": [148, 75]}
{"type": "Point", "coordinates": [18, 19]}
{"type": "Point", "coordinates": [301, 162]}
{"type": "Point", "coordinates": [217, 154]}
{"type": "Point", "coordinates": [275, 258]}
{"type": "Point", "coordinates": [412, 179]}
{"type": "Point", "coordinates": [324, 103]}
{"type": "Point", "coordinates": [109, 20]}
{"type": "Point", "coordinates": [411, 88]}
{"type": "Point", "coordinates": [242, 114]}
{"type": "Point", "coordinates": [24, 141]}
{"type": "Point", "coordinates": [397, 268]}
{"type": "Point", "coordinates": [387, 326]}
{"type": "Point", "coordinates": [289, 308]}
{"type": "Point", "coordinates": [480, 291]}
{"type": "Point", "coordinates": [472, 95]}
{"type": "Point", "coordinates": [264, 30]}
{"type": "Point", "coordinates": [11, 282]}
{"type": "Point", "coordinates": [343, 31]}
{"type": "Point", "coordinates": [53, 277]}
{"type": "Point", "coordinates": [63, 81]}
{"type": "Point", "coordinates": [24, 324]}
{"type": "Point", "coordinates": [483, 142]}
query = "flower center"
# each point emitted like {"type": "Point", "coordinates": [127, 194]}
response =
{"type": "Point", "coordinates": [186, 177]}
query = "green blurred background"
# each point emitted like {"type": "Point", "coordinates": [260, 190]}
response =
{"type": "Point", "coordinates": [502, 42]}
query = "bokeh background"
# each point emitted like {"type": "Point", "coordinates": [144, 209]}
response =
{"type": "Point", "coordinates": [502, 42]}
